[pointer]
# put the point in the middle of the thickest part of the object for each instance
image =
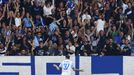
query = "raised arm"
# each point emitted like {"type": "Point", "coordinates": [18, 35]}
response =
{"type": "Point", "coordinates": [81, 70]}
{"type": "Point", "coordinates": [32, 23]}
{"type": "Point", "coordinates": [4, 10]}
{"type": "Point", "coordinates": [23, 13]}
{"type": "Point", "coordinates": [32, 50]}
{"type": "Point", "coordinates": [119, 26]}
{"type": "Point", "coordinates": [93, 32]}
{"type": "Point", "coordinates": [32, 2]}
{"type": "Point", "coordinates": [109, 27]}
{"type": "Point", "coordinates": [17, 9]}
{"type": "Point", "coordinates": [53, 2]}
{"type": "Point", "coordinates": [79, 19]}
{"type": "Point", "coordinates": [80, 5]}
{"type": "Point", "coordinates": [46, 41]}
{"type": "Point", "coordinates": [58, 21]}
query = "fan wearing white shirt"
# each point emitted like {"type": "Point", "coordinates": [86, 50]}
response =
{"type": "Point", "coordinates": [100, 23]}
{"type": "Point", "coordinates": [18, 20]}
{"type": "Point", "coordinates": [124, 6]}
{"type": "Point", "coordinates": [70, 48]}
{"type": "Point", "coordinates": [66, 66]}
{"type": "Point", "coordinates": [86, 16]}
{"type": "Point", "coordinates": [19, 17]}
{"type": "Point", "coordinates": [129, 10]}
{"type": "Point", "coordinates": [47, 9]}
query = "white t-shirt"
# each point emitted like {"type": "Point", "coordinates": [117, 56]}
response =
{"type": "Point", "coordinates": [66, 66]}
{"type": "Point", "coordinates": [124, 6]}
{"type": "Point", "coordinates": [72, 48]}
{"type": "Point", "coordinates": [17, 22]}
{"type": "Point", "coordinates": [86, 16]}
{"type": "Point", "coordinates": [48, 11]}
{"type": "Point", "coordinates": [100, 25]}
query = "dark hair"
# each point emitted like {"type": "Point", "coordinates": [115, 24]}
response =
{"type": "Point", "coordinates": [41, 41]}
{"type": "Point", "coordinates": [67, 57]}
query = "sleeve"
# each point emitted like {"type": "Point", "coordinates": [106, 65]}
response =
{"type": "Point", "coordinates": [72, 65]}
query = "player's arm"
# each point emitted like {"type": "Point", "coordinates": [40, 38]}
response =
{"type": "Point", "coordinates": [57, 67]}
{"type": "Point", "coordinates": [74, 69]}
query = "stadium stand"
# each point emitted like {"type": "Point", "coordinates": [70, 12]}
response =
{"type": "Point", "coordinates": [62, 27]}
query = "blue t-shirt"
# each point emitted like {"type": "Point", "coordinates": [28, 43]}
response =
{"type": "Point", "coordinates": [70, 3]}
{"type": "Point", "coordinates": [27, 22]}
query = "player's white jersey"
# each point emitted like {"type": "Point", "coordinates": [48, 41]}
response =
{"type": "Point", "coordinates": [66, 66]}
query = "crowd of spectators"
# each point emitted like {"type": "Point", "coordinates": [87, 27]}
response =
{"type": "Point", "coordinates": [62, 27]}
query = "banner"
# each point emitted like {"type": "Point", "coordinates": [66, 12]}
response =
{"type": "Point", "coordinates": [43, 65]}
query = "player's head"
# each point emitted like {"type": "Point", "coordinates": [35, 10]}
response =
{"type": "Point", "coordinates": [67, 57]}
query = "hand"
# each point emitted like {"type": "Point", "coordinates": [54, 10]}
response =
{"type": "Point", "coordinates": [81, 70]}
